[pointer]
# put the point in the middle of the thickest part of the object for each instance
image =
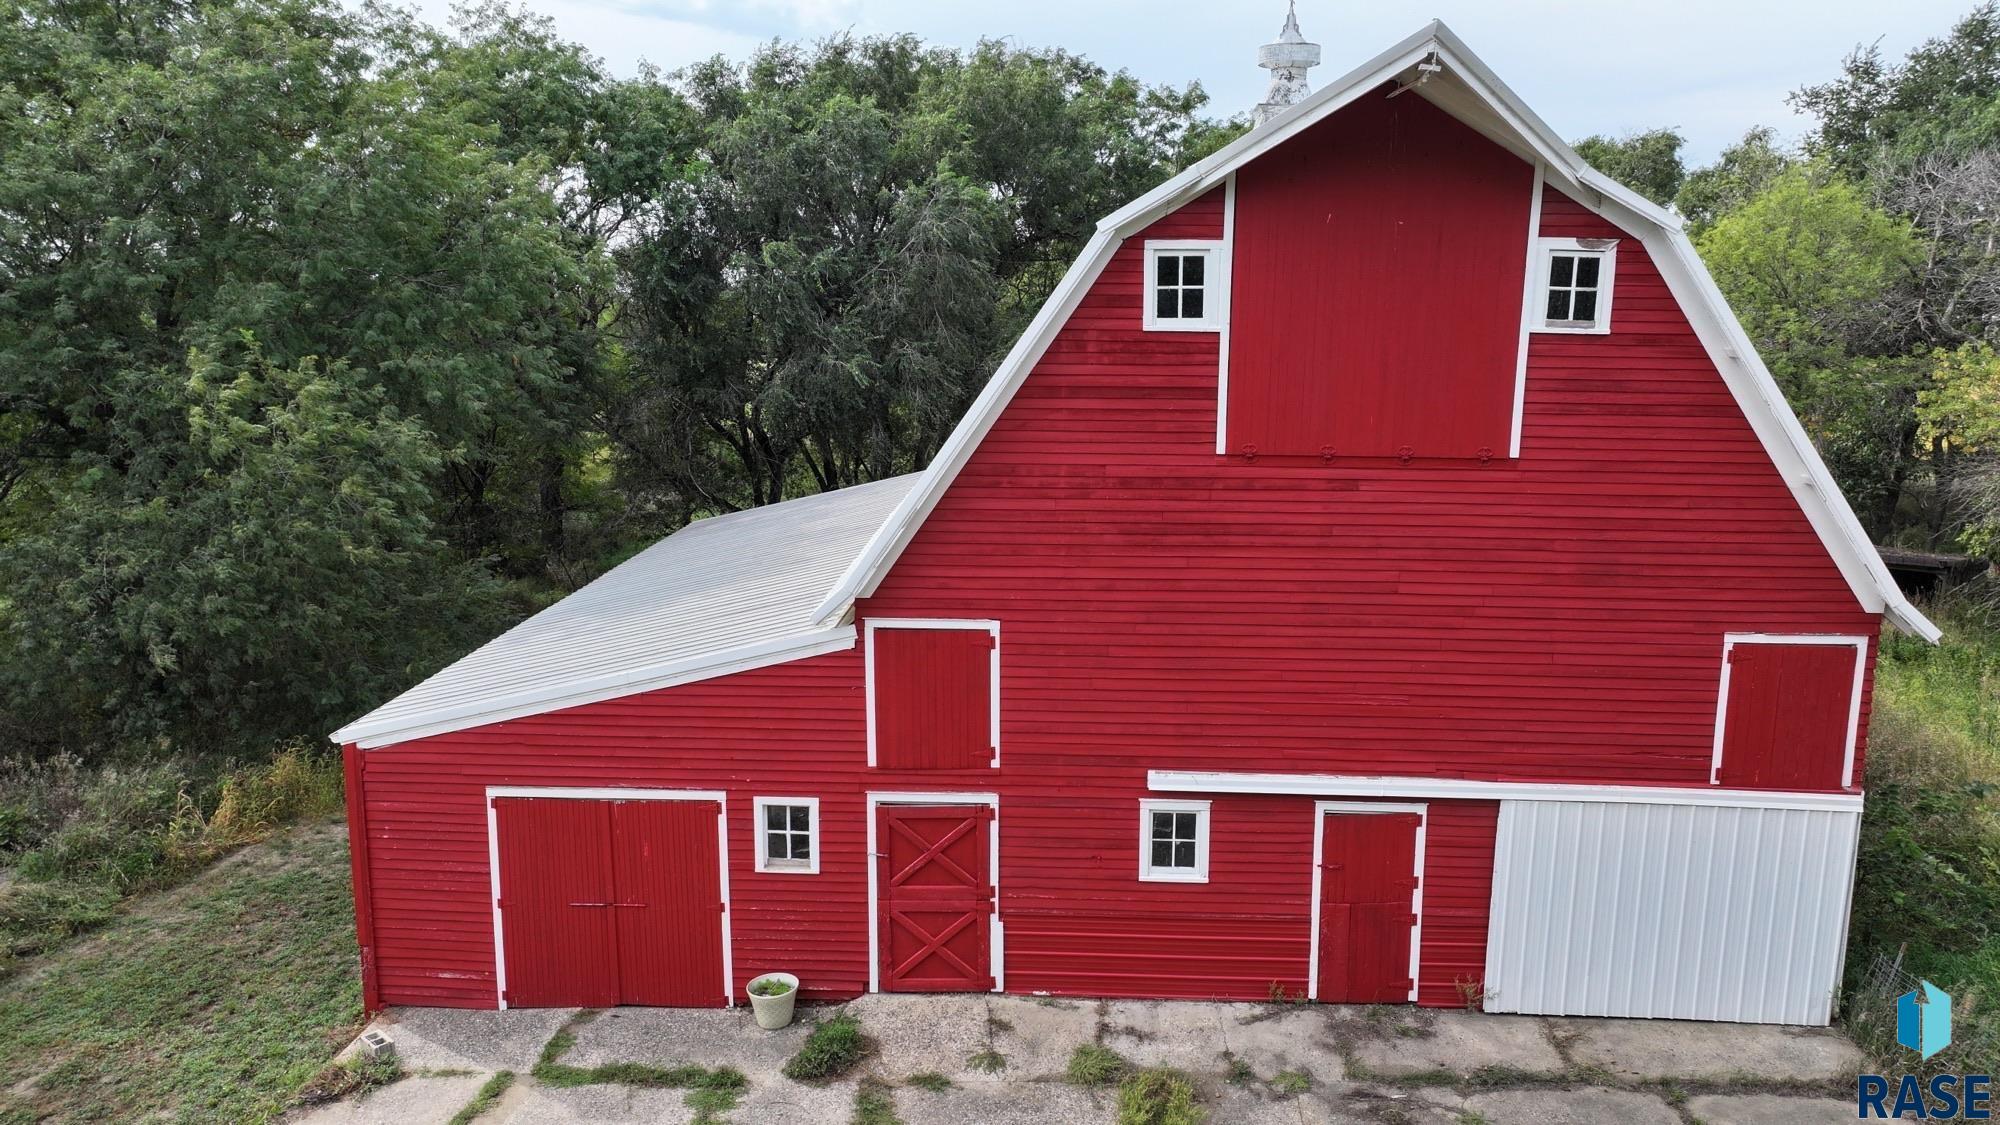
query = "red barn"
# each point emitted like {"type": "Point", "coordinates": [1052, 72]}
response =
{"type": "Point", "coordinates": [1383, 571]}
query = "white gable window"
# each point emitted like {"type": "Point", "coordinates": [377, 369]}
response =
{"type": "Point", "coordinates": [787, 834]}
{"type": "Point", "coordinates": [1576, 285]}
{"type": "Point", "coordinates": [1184, 286]}
{"type": "Point", "coordinates": [1173, 841]}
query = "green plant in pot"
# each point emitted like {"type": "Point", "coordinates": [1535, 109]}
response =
{"type": "Point", "coordinates": [772, 997]}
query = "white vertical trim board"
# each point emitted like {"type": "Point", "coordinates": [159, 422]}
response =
{"type": "Point", "coordinates": [1320, 811]}
{"type": "Point", "coordinates": [1222, 341]}
{"type": "Point", "coordinates": [578, 793]}
{"type": "Point", "coordinates": [1530, 289]}
{"type": "Point", "coordinates": [996, 933]}
{"type": "Point", "coordinates": [1729, 643]}
{"type": "Point", "coordinates": [1669, 911]}
{"type": "Point", "coordinates": [868, 668]}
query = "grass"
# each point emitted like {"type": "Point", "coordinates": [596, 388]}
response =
{"type": "Point", "coordinates": [874, 1104]}
{"type": "Point", "coordinates": [710, 1093]}
{"type": "Point", "coordinates": [1158, 1096]}
{"type": "Point", "coordinates": [484, 1099]}
{"type": "Point", "coordinates": [350, 1078]}
{"type": "Point", "coordinates": [1093, 1064]}
{"type": "Point", "coordinates": [1291, 1082]}
{"type": "Point", "coordinates": [834, 1047]}
{"type": "Point", "coordinates": [81, 839]}
{"type": "Point", "coordinates": [1927, 893]}
{"type": "Point", "coordinates": [929, 1080]}
{"type": "Point", "coordinates": [987, 1061]}
{"type": "Point", "coordinates": [1236, 1072]}
{"type": "Point", "coordinates": [216, 1001]}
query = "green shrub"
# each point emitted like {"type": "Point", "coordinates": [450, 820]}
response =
{"type": "Point", "coordinates": [1095, 1065]}
{"type": "Point", "coordinates": [1158, 1096]}
{"type": "Point", "coordinates": [831, 1050]}
{"type": "Point", "coordinates": [770, 988]}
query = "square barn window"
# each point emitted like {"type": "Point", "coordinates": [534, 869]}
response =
{"type": "Point", "coordinates": [1576, 285]}
{"type": "Point", "coordinates": [1184, 290]}
{"type": "Point", "coordinates": [1173, 841]}
{"type": "Point", "coordinates": [787, 834]}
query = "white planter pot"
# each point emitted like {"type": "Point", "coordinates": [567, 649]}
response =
{"type": "Point", "coordinates": [774, 1012]}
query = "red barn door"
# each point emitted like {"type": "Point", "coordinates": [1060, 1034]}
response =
{"type": "Point", "coordinates": [606, 902]}
{"type": "Point", "coordinates": [936, 888]}
{"type": "Point", "coordinates": [1368, 887]}
{"type": "Point", "coordinates": [1785, 715]}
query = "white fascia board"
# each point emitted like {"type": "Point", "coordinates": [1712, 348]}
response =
{"type": "Point", "coordinates": [708, 666]}
{"type": "Point", "coordinates": [1451, 788]}
{"type": "Point", "coordinates": [865, 573]}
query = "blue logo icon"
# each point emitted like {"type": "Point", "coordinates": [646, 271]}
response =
{"type": "Point", "coordinates": [1923, 1019]}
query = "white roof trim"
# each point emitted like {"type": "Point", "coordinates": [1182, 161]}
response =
{"type": "Point", "coordinates": [1743, 371]}
{"type": "Point", "coordinates": [763, 654]}
{"type": "Point", "coordinates": [1451, 788]}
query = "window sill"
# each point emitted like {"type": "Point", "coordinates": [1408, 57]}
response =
{"type": "Point", "coordinates": [1179, 877]}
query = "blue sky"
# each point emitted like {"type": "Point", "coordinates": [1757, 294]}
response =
{"type": "Point", "coordinates": [1714, 68]}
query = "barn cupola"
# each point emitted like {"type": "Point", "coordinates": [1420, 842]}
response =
{"type": "Point", "coordinates": [1288, 59]}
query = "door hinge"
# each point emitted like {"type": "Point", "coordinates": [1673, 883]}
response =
{"type": "Point", "coordinates": [722, 908]}
{"type": "Point", "coordinates": [992, 642]}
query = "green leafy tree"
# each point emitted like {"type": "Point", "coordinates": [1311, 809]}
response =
{"type": "Point", "coordinates": [1944, 96]}
{"type": "Point", "coordinates": [1819, 277]}
{"type": "Point", "coordinates": [1648, 162]}
{"type": "Point", "coordinates": [1958, 410]}
{"type": "Point", "coordinates": [1742, 172]}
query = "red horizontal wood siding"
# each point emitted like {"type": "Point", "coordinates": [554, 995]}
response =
{"type": "Point", "coordinates": [1377, 288]}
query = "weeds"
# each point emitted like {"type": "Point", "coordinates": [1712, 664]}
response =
{"type": "Point", "coordinates": [350, 1077]}
{"type": "Point", "coordinates": [1292, 1082]}
{"type": "Point", "coordinates": [930, 1080]}
{"type": "Point", "coordinates": [987, 1061]}
{"type": "Point", "coordinates": [1094, 1065]}
{"type": "Point", "coordinates": [1235, 1071]}
{"type": "Point", "coordinates": [710, 1093]}
{"type": "Point", "coordinates": [832, 1049]}
{"type": "Point", "coordinates": [874, 1104]}
{"type": "Point", "coordinates": [1158, 1096]}
{"type": "Point", "coordinates": [484, 1099]}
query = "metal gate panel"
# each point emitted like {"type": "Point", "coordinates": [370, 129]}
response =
{"type": "Point", "coordinates": [1695, 912]}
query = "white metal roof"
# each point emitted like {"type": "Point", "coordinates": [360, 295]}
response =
{"type": "Point", "coordinates": [1468, 90]}
{"type": "Point", "coordinates": [720, 595]}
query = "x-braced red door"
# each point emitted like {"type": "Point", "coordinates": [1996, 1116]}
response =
{"type": "Point", "coordinates": [1368, 886]}
{"type": "Point", "coordinates": [934, 877]}
{"type": "Point", "coordinates": [607, 902]}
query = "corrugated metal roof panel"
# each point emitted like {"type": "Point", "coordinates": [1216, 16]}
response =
{"type": "Point", "coordinates": [705, 599]}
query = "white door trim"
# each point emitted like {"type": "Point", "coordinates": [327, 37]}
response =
{"type": "Point", "coordinates": [996, 934]}
{"type": "Point", "coordinates": [721, 800]}
{"type": "Point", "coordinates": [1860, 644]}
{"type": "Point", "coordinates": [993, 686]}
{"type": "Point", "coordinates": [1320, 811]}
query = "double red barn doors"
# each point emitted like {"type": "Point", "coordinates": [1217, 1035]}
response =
{"type": "Point", "coordinates": [607, 902]}
{"type": "Point", "coordinates": [934, 878]}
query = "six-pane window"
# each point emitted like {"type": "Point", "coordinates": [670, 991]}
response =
{"type": "Point", "coordinates": [787, 832]}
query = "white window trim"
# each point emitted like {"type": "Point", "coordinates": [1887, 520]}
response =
{"type": "Point", "coordinates": [762, 844]}
{"type": "Point", "coordinates": [1320, 811]}
{"type": "Point", "coordinates": [992, 689]}
{"type": "Point", "coordinates": [996, 930]}
{"type": "Point", "coordinates": [1147, 873]}
{"type": "Point", "coordinates": [1546, 248]}
{"type": "Point", "coordinates": [721, 800]}
{"type": "Point", "coordinates": [1731, 640]}
{"type": "Point", "coordinates": [1214, 288]}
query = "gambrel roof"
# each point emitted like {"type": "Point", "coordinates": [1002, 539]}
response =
{"type": "Point", "coordinates": [721, 595]}
{"type": "Point", "coordinates": [779, 583]}
{"type": "Point", "coordinates": [1470, 92]}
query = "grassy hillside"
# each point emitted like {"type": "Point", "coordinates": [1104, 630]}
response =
{"type": "Point", "coordinates": [215, 1001]}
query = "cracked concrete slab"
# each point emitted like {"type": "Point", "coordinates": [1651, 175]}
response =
{"type": "Point", "coordinates": [409, 1101]}
{"type": "Point", "coordinates": [917, 1033]}
{"type": "Point", "coordinates": [1040, 1032]}
{"type": "Point", "coordinates": [1769, 1109]}
{"type": "Point", "coordinates": [451, 1038]}
{"type": "Point", "coordinates": [707, 1037]}
{"type": "Point", "coordinates": [1018, 1103]}
{"type": "Point", "coordinates": [593, 1105]}
{"type": "Point", "coordinates": [1591, 1105]}
{"type": "Point", "coordinates": [1460, 1043]}
{"type": "Point", "coordinates": [1187, 1034]}
{"type": "Point", "coordinates": [1274, 1038]}
{"type": "Point", "coordinates": [1635, 1049]}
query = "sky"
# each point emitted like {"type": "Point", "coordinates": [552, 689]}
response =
{"type": "Point", "coordinates": [1712, 68]}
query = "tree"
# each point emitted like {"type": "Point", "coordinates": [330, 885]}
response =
{"type": "Point", "coordinates": [1743, 171]}
{"type": "Point", "coordinates": [1958, 410]}
{"type": "Point", "coordinates": [1820, 278]}
{"type": "Point", "coordinates": [1647, 162]}
{"type": "Point", "coordinates": [1944, 96]}
{"type": "Point", "coordinates": [864, 226]}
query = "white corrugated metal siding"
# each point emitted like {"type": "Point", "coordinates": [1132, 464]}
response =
{"type": "Point", "coordinates": [709, 592]}
{"type": "Point", "coordinates": [1671, 911]}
